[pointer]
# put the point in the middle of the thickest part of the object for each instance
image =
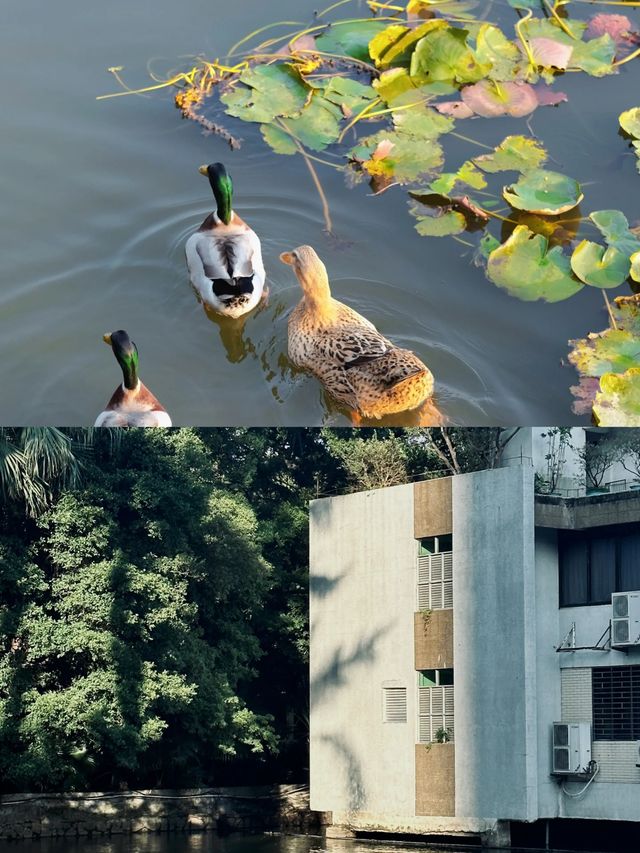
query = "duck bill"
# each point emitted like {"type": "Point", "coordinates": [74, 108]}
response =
{"type": "Point", "coordinates": [203, 170]}
{"type": "Point", "coordinates": [107, 339]}
{"type": "Point", "coordinates": [287, 258]}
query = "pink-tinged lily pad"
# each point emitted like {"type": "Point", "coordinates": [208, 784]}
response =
{"type": "Point", "coordinates": [548, 97]}
{"type": "Point", "coordinates": [585, 393]}
{"type": "Point", "coordinates": [619, 27]}
{"type": "Point", "coordinates": [488, 98]}
{"type": "Point", "coordinates": [550, 53]}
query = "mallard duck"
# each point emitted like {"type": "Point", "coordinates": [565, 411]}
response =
{"type": "Point", "coordinates": [132, 404]}
{"type": "Point", "coordinates": [224, 256]}
{"type": "Point", "coordinates": [355, 363]}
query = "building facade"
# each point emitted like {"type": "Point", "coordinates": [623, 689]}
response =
{"type": "Point", "coordinates": [453, 622]}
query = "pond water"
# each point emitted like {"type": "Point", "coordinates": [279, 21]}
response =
{"type": "Point", "coordinates": [98, 198]}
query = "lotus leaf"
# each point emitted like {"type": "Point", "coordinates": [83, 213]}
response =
{"type": "Point", "coordinates": [494, 48]}
{"type": "Point", "coordinates": [350, 38]}
{"type": "Point", "coordinates": [515, 153]}
{"type": "Point", "coordinates": [317, 126]}
{"type": "Point", "coordinates": [438, 222]}
{"type": "Point", "coordinates": [278, 139]}
{"type": "Point", "coordinates": [541, 191]}
{"type": "Point", "coordinates": [488, 98]}
{"type": "Point", "coordinates": [635, 266]}
{"type": "Point", "coordinates": [349, 94]}
{"type": "Point", "coordinates": [618, 401]}
{"type": "Point", "coordinates": [630, 121]}
{"type": "Point", "coordinates": [396, 87]}
{"type": "Point", "coordinates": [614, 227]}
{"type": "Point", "coordinates": [598, 266]}
{"type": "Point", "coordinates": [611, 351]}
{"type": "Point", "coordinates": [528, 269]}
{"type": "Point", "coordinates": [467, 174]}
{"type": "Point", "coordinates": [393, 46]}
{"type": "Point", "coordinates": [444, 54]}
{"type": "Point", "coordinates": [275, 90]}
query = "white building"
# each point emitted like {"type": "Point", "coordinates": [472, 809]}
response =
{"type": "Point", "coordinates": [453, 623]}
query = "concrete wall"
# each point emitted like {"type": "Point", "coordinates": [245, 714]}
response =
{"type": "Point", "coordinates": [362, 602]}
{"type": "Point", "coordinates": [494, 644]}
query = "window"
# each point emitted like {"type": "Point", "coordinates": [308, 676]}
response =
{"type": "Point", "coordinates": [594, 563]}
{"type": "Point", "coordinates": [435, 706]}
{"type": "Point", "coordinates": [435, 545]}
{"type": "Point", "coordinates": [435, 574]}
{"type": "Point", "coordinates": [616, 702]}
{"type": "Point", "coordinates": [394, 704]}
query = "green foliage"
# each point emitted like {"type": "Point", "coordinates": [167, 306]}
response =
{"type": "Point", "coordinates": [600, 266]}
{"type": "Point", "coordinates": [515, 153]}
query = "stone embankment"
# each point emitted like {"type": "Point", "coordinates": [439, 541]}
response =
{"type": "Point", "coordinates": [283, 808]}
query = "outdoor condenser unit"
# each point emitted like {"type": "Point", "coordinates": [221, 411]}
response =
{"type": "Point", "coordinates": [571, 748]}
{"type": "Point", "coordinates": [625, 619]}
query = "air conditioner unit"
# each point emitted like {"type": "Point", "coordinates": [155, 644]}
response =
{"type": "Point", "coordinates": [571, 748]}
{"type": "Point", "coordinates": [625, 619]}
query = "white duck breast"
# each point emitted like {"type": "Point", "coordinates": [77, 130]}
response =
{"type": "Point", "coordinates": [225, 266]}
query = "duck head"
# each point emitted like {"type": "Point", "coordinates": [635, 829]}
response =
{"type": "Point", "coordinates": [310, 271]}
{"type": "Point", "coordinates": [222, 187]}
{"type": "Point", "coordinates": [126, 353]}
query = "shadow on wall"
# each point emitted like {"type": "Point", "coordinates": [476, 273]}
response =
{"type": "Point", "coordinates": [356, 791]}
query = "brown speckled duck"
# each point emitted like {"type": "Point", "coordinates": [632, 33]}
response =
{"type": "Point", "coordinates": [131, 404]}
{"type": "Point", "coordinates": [356, 364]}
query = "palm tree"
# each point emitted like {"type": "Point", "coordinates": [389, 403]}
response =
{"type": "Point", "coordinates": [36, 461]}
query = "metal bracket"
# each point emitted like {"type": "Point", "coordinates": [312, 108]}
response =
{"type": "Point", "coordinates": [569, 642]}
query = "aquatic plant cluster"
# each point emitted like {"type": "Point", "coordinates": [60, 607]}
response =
{"type": "Point", "coordinates": [418, 70]}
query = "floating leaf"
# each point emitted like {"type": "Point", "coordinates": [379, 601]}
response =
{"type": "Point", "coordinates": [467, 174]}
{"type": "Point", "coordinates": [635, 266]}
{"type": "Point", "coordinates": [495, 49]}
{"type": "Point", "coordinates": [278, 139]}
{"type": "Point", "coordinates": [515, 153]}
{"type": "Point", "coordinates": [348, 94]}
{"type": "Point", "coordinates": [397, 87]}
{"type": "Point", "coordinates": [617, 26]}
{"type": "Point", "coordinates": [595, 57]}
{"type": "Point", "coordinates": [350, 38]}
{"type": "Point", "coordinates": [528, 269]}
{"type": "Point", "coordinates": [444, 54]}
{"type": "Point", "coordinates": [488, 244]}
{"type": "Point", "coordinates": [317, 126]}
{"type": "Point", "coordinates": [489, 98]}
{"type": "Point", "coordinates": [551, 53]}
{"type": "Point", "coordinates": [611, 351]}
{"type": "Point", "coordinates": [408, 158]}
{"type": "Point", "coordinates": [618, 401]}
{"type": "Point", "coordinates": [438, 222]}
{"type": "Point", "coordinates": [425, 123]}
{"type": "Point", "coordinates": [630, 121]}
{"type": "Point", "coordinates": [541, 191]}
{"type": "Point", "coordinates": [614, 227]}
{"type": "Point", "coordinates": [394, 44]}
{"type": "Point", "coordinates": [598, 266]}
{"type": "Point", "coordinates": [274, 90]}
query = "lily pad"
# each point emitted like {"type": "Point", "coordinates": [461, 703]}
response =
{"type": "Point", "coordinates": [467, 174]}
{"type": "Point", "coordinates": [635, 266]}
{"type": "Point", "coordinates": [317, 126]}
{"type": "Point", "coordinates": [489, 98]}
{"type": "Point", "coordinates": [408, 157]}
{"type": "Point", "coordinates": [611, 351]}
{"type": "Point", "coordinates": [598, 266]}
{"type": "Point", "coordinates": [495, 49]}
{"type": "Point", "coordinates": [273, 90]}
{"type": "Point", "coordinates": [350, 38]}
{"type": "Point", "coordinates": [618, 401]}
{"type": "Point", "coordinates": [278, 139]}
{"type": "Point", "coordinates": [444, 54]}
{"type": "Point", "coordinates": [437, 222]}
{"type": "Point", "coordinates": [515, 153]}
{"type": "Point", "coordinates": [618, 27]}
{"type": "Point", "coordinates": [630, 121]}
{"type": "Point", "coordinates": [348, 94]}
{"type": "Point", "coordinates": [393, 46]}
{"type": "Point", "coordinates": [541, 191]}
{"type": "Point", "coordinates": [528, 269]}
{"type": "Point", "coordinates": [614, 227]}
{"type": "Point", "coordinates": [397, 87]}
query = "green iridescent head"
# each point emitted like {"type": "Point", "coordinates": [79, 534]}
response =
{"type": "Point", "coordinates": [222, 187]}
{"type": "Point", "coordinates": [126, 352]}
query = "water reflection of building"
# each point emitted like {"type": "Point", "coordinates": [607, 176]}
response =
{"type": "Point", "coordinates": [453, 622]}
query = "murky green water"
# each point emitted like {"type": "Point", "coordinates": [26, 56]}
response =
{"type": "Point", "coordinates": [99, 196]}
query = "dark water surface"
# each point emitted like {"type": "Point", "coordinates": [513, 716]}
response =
{"type": "Point", "coordinates": [99, 196]}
